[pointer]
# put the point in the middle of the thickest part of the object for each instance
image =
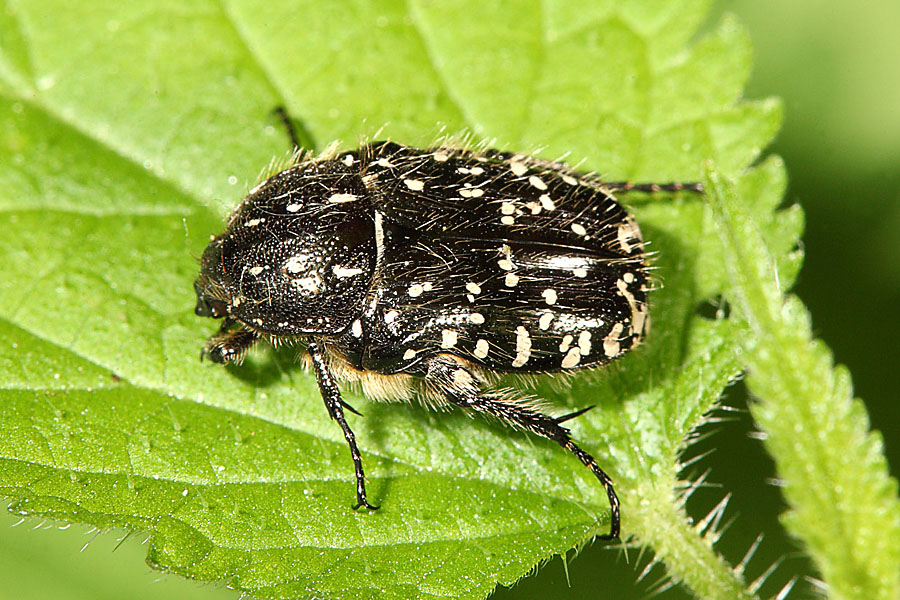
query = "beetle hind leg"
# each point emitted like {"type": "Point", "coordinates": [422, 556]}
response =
{"type": "Point", "coordinates": [461, 388]}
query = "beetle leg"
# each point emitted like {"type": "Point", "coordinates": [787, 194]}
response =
{"type": "Point", "coordinates": [331, 394]}
{"type": "Point", "coordinates": [463, 389]}
{"type": "Point", "coordinates": [289, 126]}
{"type": "Point", "coordinates": [652, 188]}
{"type": "Point", "coordinates": [229, 344]}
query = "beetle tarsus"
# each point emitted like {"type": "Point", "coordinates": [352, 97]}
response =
{"type": "Point", "coordinates": [363, 502]}
{"type": "Point", "coordinates": [229, 344]}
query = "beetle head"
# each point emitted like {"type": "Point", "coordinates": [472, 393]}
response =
{"type": "Point", "coordinates": [293, 260]}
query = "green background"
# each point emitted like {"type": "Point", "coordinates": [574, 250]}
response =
{"type": "Point", "coordinates": [835, 66]}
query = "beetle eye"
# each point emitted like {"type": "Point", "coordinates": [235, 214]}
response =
{"type": "Point", "coordinates": [210, 308]}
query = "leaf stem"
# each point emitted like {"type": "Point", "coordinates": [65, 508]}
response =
{"type": "Point", "coordinates": [685, 549]}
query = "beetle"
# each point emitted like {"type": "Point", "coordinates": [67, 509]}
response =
{"type": "Point", "coordinates": [427, 273]}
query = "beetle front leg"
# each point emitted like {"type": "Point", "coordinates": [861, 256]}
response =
{"type": "Point", "coordinates": [331, 394]}
{"type": "Point", "coordinates": [229, 344]}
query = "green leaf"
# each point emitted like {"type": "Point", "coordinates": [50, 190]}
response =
{"type": "Point", "coordinates": [834, 473]}
{"type": "Point", "coordinates": [122, 148]}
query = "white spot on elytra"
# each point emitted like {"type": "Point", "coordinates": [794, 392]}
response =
{"type": "Point", "coordinates": [628, 277]}
{"type": "Point", "coordinates": [566, 343]}
{"type": "Point", "coordinates": [342, 198]}
{"type": "Point", "coordinates": [549, 296]}
{"type": "Point", "coordinates": [448, 338]}
{"type": "Point", "coordinates": [348, 160]}
{"type": "Point", "coordinates": [507, 220]}
{"type": "Point", "coordinates": [623, 289]}
{"type": "Point", "coordinates": [345, 272]}
{"type": "Point", "coordinates": [356, 328]}
{"type": "Point", "coordinates": [638, 313]}
{"type": "Point", "coordinates": [547, 202]}
{"type": "Point", "coordinates": [409, 354]}
{"type": "Point", "coordinates": [570, 180]}
{"type": "Point", "coordinates": [379, 236]}
{"type": "Point", "coordinates": [579, 229]}
{"type": "Point", "coordinates": [534, 207]}
{"type": "Point", "coordinates": [441, 156]}
{"type": "Point", "coordinates": [639, 320]}
{"type": "Point", "coordinates": [414, 184]}
{"type": "Point", "coordinates": [293, 207]}
{"type": "Point", "coordinates": [481, 349]}
{"type": "Point", "coordinates": [511, 280]}
{"type": "Point", "coordinates": [505, 263]}
{"type": "Point", "coordinates": [254, 222]}
{"type": "Point", "coordinates": [427, 286]}
{"type": "Point", "coordinates": [507, 208]}
{"type": "Point", "coordinates": [391, 316]}
{"type": "Point", "coordinates": [572, 358]}
{"type": "Point", "coordinates": [256, 270]}
{"type": "Point", "coordinates": [473, 287]}
{"type": "Point", "coordinates": [611, 344]}
{"type": "Point", "coordinates": [415, 290]}
{"type": "Point", "coordinates": [545, 320]}
{"type": "Point", "coordinates": [518, 168]}
{"type": "Point", "coordinates": [537, 182]}
{"type": "Point", "coordinates": [579, 272]}
{"type": "Point", "coordinates": [523, 347]}
{"type": "Point", "coordinates": [383, 162]}
{"type": "Point", "coordinates": [584, 342]}
{"type": "Point", "coordinates": [477, 318]}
